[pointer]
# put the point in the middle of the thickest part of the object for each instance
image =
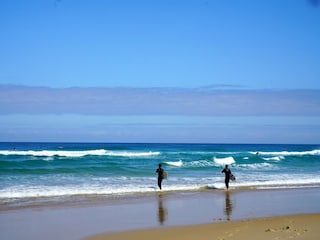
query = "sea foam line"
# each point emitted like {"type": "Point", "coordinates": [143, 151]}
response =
{"type": "Point", "coordinates": [287, 153]}
{"type": "Point", "coordinates": [60, 153]}
{"type": "Point", "coordinates": [185, 184]}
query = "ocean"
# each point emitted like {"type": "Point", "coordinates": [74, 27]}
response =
{"type": "Point", "coordinates": [37, 173]}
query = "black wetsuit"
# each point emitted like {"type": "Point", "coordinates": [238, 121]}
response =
{"type": "Point", "coordinates": [160, 176]}
{"type": "Point", "coordinates": [227, 173]}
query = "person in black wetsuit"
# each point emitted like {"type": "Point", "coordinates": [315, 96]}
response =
{"type": "Point", "coordinates": [160, 175]}
{"type": "Point", "coordinates": [227, 173]}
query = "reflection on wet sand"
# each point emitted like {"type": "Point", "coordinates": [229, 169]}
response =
{"type": "Point", "coordinates": [228, 206]}
{"type": "Point", "coordinates": [162, 210]}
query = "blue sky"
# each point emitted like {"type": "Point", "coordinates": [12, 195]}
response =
{"type": "Point", "coordinates": [236, 71]}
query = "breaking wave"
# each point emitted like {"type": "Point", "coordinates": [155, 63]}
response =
{"type": "Point", "coordinates": [223, 161]}
{"type": "Point", "coordinates": [60, 153]}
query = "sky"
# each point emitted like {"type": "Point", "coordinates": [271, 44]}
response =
{"type": "Point", "coordinates": [236, 71]}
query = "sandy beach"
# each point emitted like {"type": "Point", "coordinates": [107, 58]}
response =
{"type": "Point", "coordinates": [287, 227]}
{"type": "Point", "coordinates": [213, 214]}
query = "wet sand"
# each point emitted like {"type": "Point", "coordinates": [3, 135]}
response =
{"type": "Point", "coordinates": [165, 212]}
{"type": "Point", "coordinates": [287, 227]}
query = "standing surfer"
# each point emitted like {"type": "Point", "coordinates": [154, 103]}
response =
{"type": "Point", "coordinates": [228, 174]}
{"type": "Point", "coordinates": [160, 172]}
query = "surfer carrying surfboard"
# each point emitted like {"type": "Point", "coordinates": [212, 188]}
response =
{"type": "Point", "coordinates": [160, 172]}
{"type": "Point", "coordinates": [228, 175]}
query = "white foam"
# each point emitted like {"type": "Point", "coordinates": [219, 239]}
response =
{"type": "Point", "coordinates": [287, 153]}
{"type": "Point", "coordinates": [59, 153]}
{"type": "Point", "coordinates": [224, 161]}
{"type": "Point", "coordinates": [176, 164]}
{"type": "Point", "coordinates": [107, 186]}
{"type": "Point", "coordinates": [277, 158]}
{"type": "Point", "coordinates": [255, 166]}
{"type": "Point", "coordinates": [52, 153]}
{"type": "Point", "coordinates": [94, 189]}
{"type": "Point", "coordinates": [200, 163]}
{"type": "Point", "coordinates": [276, 183]}
{"type": "Point", "coordinates": [131, 154]}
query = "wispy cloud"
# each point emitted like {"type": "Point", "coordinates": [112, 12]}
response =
{"type": "Point", "coordinates": [158, 101]}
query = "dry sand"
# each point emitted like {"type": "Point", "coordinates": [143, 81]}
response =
{"type": "Point", "coordinates": [287, 227]}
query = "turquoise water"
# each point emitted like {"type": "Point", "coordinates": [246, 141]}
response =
{"type": "Point", "coordinates": [69, 170]}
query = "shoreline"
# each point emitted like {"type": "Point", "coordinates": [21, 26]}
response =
{"type": "Point", "coordinates": [110, 199]}
{"type": "Point", "coordinates": [160, 210]}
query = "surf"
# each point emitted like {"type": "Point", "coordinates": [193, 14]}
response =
{"type": "Point", "coordinates": [224, 161]}
{"type": "Point", "coordinates": [62, 153]}
{"type": "Point", "coordinates": [175, 164]}
{"type": "Point", "coordinates": [288, 153]}
{"type": "Point", "coordinates": [36, 170]}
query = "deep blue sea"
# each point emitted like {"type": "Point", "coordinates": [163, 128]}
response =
{"type": "Point", "coordinates": [37, 172]}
